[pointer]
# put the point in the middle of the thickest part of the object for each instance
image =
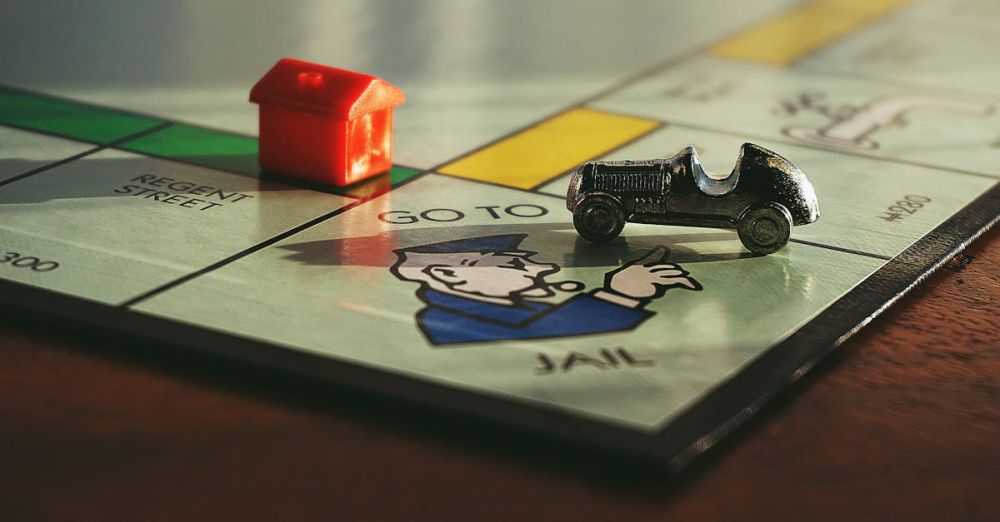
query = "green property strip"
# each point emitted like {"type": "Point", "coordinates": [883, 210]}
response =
{"type": "Point", "coordinates": [69, 119]}
{"type": "Point", "coordinates": [400, 174]}
{"type": "Point", "coordinates": [198, 146]}
{"type": "Point", "coordinates": [235, 153]}
{"type": "Point", "coordinates": [190, 144]}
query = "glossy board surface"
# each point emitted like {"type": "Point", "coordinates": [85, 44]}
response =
{"type": "Point", "coordinates": [131, 201]}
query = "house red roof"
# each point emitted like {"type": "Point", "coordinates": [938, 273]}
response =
{"type": "Point", "coordinates": [309, 87]}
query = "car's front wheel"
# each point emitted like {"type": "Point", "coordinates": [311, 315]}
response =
{"type": "Point", "coordinates": [765, 229]}
{"type": "Point", "coordinates": [599, 219]}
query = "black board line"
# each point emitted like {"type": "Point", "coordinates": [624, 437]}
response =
{"type": "Point", "coordinates": [94, 150]}
{"type": "Point", "coordinates": [52, 165]}
{"type": "Point", "coordinates": [840, 249]}
{"type": "Point", "coordinates": [239, 255]}
{"type": "Point", "coordinates": [261, 245]}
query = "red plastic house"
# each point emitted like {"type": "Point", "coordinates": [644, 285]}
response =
{"type": "Point", "coordinates": [324, 124]}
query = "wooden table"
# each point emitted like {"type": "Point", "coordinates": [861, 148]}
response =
{"type": "Point", "coordinates": [903, 423]}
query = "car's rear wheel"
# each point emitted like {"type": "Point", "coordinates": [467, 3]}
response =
{"type": "Point", "coordinates": [599, 219]}
{"type": "Point", "coordinates": [765, 229]}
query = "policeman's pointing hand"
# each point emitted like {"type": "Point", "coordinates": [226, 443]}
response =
{"type": "Point", "coordinates": [649, 276]}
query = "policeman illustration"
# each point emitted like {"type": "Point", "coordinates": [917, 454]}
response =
{"type": "Point", "coordinates": [478, 290]}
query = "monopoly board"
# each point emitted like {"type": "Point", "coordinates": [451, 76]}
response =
{"type": "Point", "coordinates": [457, 279]}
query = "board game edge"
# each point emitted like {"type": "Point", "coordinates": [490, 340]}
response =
{"type": "Point", "coordinates": [688, 434]}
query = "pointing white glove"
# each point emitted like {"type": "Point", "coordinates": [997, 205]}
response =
{"type": "Point", "coordinates": [645, 278]}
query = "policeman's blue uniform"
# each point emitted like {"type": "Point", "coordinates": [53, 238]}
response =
{"type": "Point", "coordinates": [450, 319]}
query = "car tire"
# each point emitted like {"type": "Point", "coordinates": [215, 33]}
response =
{"type": "Point", "coordinates": [599, 219]}
{"type": "Point", "coordinates": [765, 229]}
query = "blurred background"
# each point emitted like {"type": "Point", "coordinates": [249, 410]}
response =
{"type": "Point", "coordinates": [196, 61]}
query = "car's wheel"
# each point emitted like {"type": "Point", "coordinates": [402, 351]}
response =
{"type": "Point", "coordinates": [599, 219]}
{"type": "Point", "coordinates": [765, 229]}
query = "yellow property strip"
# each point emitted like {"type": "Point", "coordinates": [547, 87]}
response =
{"type": "Point", "coordinates": [539, 153]}
{"type": "Point", "coordinates": [798, 32]}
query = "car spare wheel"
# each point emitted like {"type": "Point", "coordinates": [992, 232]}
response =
{"type": "Point", "coordinates": [766, 228]}
{"type": "Point", "coordinates": [599, 219]}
